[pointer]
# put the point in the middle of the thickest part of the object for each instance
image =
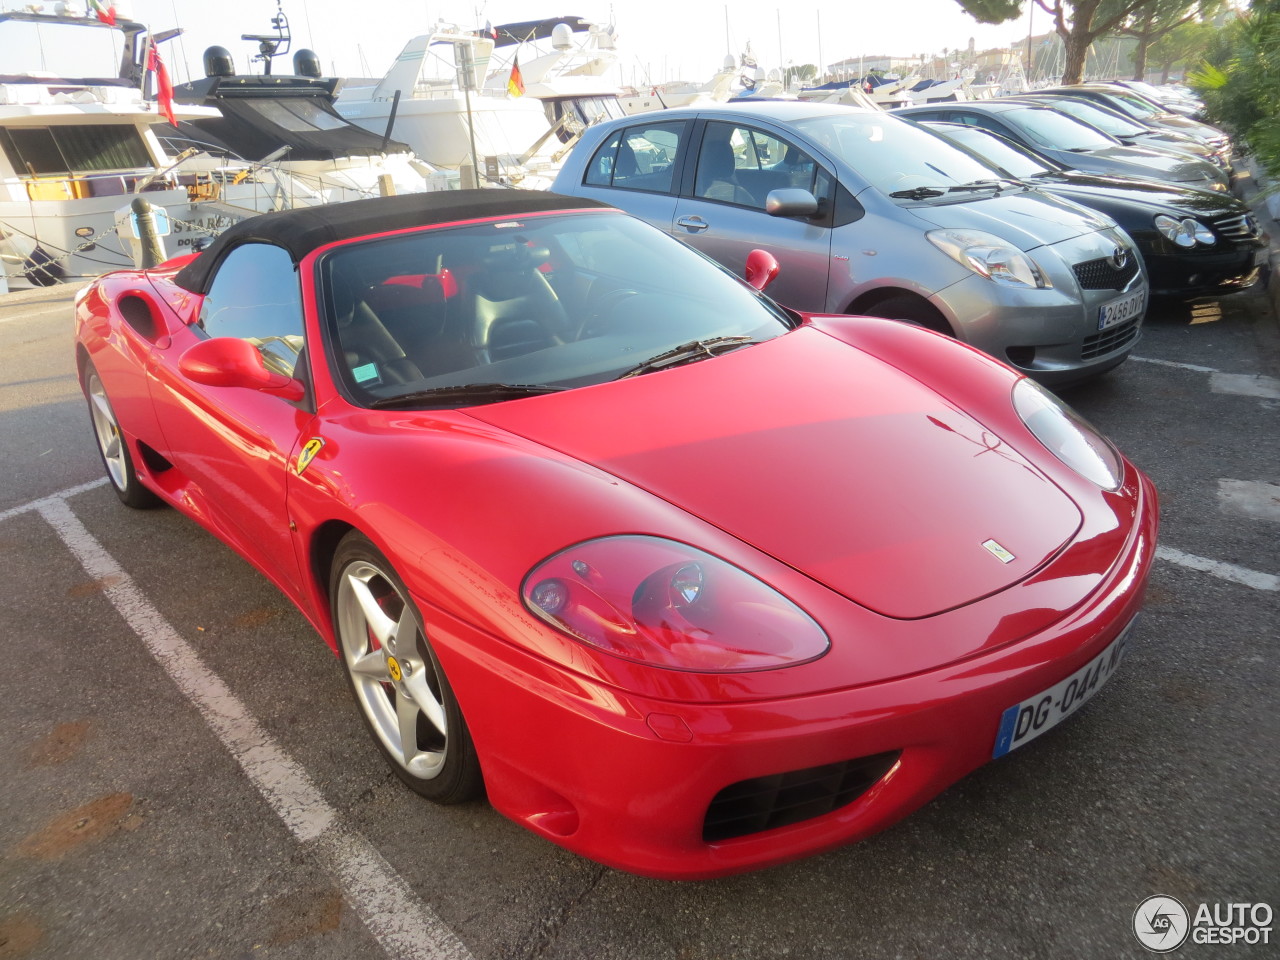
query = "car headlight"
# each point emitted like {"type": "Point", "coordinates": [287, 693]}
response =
{"type": "Point", "coordinates": [1067, 435]}
{"type": "Point", "coordinates": [1185, 233]}
{"type": "Point", "coordinates": [988, 255]}
{"type": "Point", "coordinates": [667, 604]}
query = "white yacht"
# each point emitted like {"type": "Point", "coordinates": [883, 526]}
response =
{"type": "Point", "coordinates": [434, 98]}
{"type": "Point", "coordinates": [567, 63]}
{"type": "Point", "coordinates": [76, 145]}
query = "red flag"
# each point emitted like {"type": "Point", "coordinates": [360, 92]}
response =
{"type": "Point", "coordinates": [164, 87]}
{"type": "Point", "coordinates": [515, 83]}
{"type": "Point", "coordinates": [106, 14]}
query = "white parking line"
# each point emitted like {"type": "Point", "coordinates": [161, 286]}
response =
{"type": "Point", "coordinates": [1237, 384]}
{"type": "Point", "coordinates": [1223, 571]}
{"type": "Point", "coordinates": [1170, 363]}
{"type": "Point", "coordinates": [405, 927]}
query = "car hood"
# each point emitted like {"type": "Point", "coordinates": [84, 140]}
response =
{"type": "Point", "coordinates": [827, 459]}
{"type": "Point", "coordinates": [1028, 219]}
{"type": "Point", "coordinates": [1160, 197]}
{"type": "Point", "coordinates": [1141, 162]}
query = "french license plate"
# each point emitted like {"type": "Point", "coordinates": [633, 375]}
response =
{"type": "Point", "coordinates": [1118, 311]}
{"type": "Point", "coordinates": [1025, 721]}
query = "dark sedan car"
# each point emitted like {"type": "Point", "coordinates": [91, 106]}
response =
{"type": "Point", "coordinates": [1140, 108]}
{"type": "Point", "coordinates": [1072, 142]}
{"type": "Point", "coordinates": [1195, 242]}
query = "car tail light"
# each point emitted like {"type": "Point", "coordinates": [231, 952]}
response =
{"type": "Point", "coordinates": [670, 605]}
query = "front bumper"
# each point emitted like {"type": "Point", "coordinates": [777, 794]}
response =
{"type": "Point", "coordinates": [1189, 275]}
{"type": "Point", "coordinates": [627, 780]}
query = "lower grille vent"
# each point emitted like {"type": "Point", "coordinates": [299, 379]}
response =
{"type": "Point", "coordinates": [751, 806]}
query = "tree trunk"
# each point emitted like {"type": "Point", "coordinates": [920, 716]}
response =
{"type": "Point", "coordinates": [1140, 59]}
{"type": "Point", "coordinates": [1077, 49]}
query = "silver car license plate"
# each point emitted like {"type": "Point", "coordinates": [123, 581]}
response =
{"type": "Point", "coordinates": [1118, 311]}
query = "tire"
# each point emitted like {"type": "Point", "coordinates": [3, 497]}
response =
{"type": "Point", "coordinates": [398, 683]}
{"type": "Point", "coordinates": [113, 448]}
{"type": "Point", "coordinates": [910, 310]}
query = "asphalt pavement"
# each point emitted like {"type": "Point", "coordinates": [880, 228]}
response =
{"type": "Point", "coordinates": [184, 773]}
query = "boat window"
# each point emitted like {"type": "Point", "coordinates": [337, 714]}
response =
{"type": "Point", "coordinates": [255, 296]}
{"type": "Point", "coordinates": [741, 165]}
{"type": "Point", "coordinates": [61, 50]}
{"type": "Point", "coordinates": [75, 148]}
{"type": "Point", "coordinates": [300, 116]}
{"type": "Point", "coordinates": [638, 158]}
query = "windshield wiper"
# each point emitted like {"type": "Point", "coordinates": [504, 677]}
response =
{"type": "Point", "coordinates": [917, 193]}
{"type": "Point", "coordinates": [995, 185]}
{"type": "Point", "coordinates": [479, 392]}
{"type": "Point", "coordinates": [688, 352]}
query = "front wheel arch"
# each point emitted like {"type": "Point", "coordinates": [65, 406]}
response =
{"type": "Point", "coordinates": [902, 305]}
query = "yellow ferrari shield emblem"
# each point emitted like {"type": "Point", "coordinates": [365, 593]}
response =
{"type": "Point", "coordinates": [393, 668]}
{"type": "Point", "coordinates": [308, 454]}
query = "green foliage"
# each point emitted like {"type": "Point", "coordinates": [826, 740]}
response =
{"type": "Point", "coordinates": [992, 11]}
{"type": "Point", "coordinates": [1240, 82]}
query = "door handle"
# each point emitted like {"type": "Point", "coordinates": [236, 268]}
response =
{"type": "Point", "coordinates": [692, 223]}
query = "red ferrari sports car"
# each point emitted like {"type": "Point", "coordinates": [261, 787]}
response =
{"type": "Point", "coordinates": [686, 582]}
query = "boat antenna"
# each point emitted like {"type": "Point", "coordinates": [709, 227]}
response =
{"type": "Point", "coordinates": [271, 45]}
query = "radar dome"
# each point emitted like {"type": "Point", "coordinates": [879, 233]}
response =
{"type": "Point", "coordinates": [218, 62]}
{"type": "Point", "coordinates": [306, 63]}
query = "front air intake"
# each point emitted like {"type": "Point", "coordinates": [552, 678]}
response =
{"type": "Point", "coordinates": [752, 806]}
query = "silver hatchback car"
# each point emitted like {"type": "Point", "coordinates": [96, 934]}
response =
{"type": "Point", "coordinates": [870, 214]}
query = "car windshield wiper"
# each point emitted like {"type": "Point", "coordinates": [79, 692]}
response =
{"type": "Point", "coordinates": [687, 353]}
{"type": "Point", "coordinates": [996, 185]}
{"type": "Point", "coordinates": [917, 193]}
{"type": "Point", "coordinates": [478, 392]}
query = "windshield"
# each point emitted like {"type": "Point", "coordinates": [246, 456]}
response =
{"type": "Point", "coordinates": [1057, 131]}
{"type": "Point", "coordinates": [1104, 120]}
{"type": "Point", "coordinates": [894, 155]}
{"type": "Point", "coordinates": [56, 49]}
{"type": "Point", "coordinates": [529, 304]}
{"type": "Point", "coordinates": [1133, 105]}
{"type": "Point", "coordinates": [995, 150]}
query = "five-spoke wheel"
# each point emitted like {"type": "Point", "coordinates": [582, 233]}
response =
{"type": "Point", "coordinates": [113, 446]}
{"type": "Point", "coordinates": [398, 683]}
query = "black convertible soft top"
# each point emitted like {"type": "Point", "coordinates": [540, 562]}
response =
{"type": "Point", "coordinates": [303, 230]}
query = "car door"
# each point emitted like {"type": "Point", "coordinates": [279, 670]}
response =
{"type": "Point", "coordinates": [722, 210]}
{"type": "Point", "coordinates": [636, 169]}
{"type": "Point", "coordinates": [232, 446]}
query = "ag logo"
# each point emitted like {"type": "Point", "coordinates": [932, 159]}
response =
{"type": "Point", "coordinates": [308, 454]}
{"type": "Point", "coordinates": [1161, 924]}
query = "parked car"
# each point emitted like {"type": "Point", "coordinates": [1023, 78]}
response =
{"type": "Point", "coordinates": [1072, 142]}
{"type": "Point", "coordinates": [1130, 132]}
{"type": "Point", "coordinates": [1194, 243]}
{"type": "Point", "coordinates": [1140, 108]}
{"type": "Point", "coordinates": [870, 214]}
{"type": "Point", "coordinates": [1177, 101]}
{"type": "Point", "coordinates": [685, 582]}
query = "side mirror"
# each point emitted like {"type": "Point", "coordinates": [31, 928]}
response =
{"type": "Point", "coordinates": [762, 268]}
{"type": "Point", "coordinates": [790, 202]}
{"type": "Point", "coordinates": [232, 362]}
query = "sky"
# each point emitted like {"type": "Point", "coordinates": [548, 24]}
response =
{"type": "Point", "coordinates": [657, 39]}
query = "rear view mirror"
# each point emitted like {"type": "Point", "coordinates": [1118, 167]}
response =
{"type": "Point", "coordinates": [762, 268]}
{"type": "Point", "coordinates": [232, 362]}
{"type": "Point", "coordinates": [790, 202]}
